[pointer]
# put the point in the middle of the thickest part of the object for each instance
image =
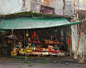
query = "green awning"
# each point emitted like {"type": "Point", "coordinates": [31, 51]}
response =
{"type": "Point", "coordinates": [33, 23]}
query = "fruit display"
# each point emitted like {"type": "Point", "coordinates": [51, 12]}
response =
{"type": "Point", "coordinates": [22, 52]}
{"type": "Point", "coordinates": [14, 52]}
{"type": "Point", "coordinates": [28, 50]}
{"type": "Point", "coordinates": [37, 51]}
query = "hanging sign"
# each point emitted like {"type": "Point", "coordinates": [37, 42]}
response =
{"type": "Point", "coordinates": [46, 9]}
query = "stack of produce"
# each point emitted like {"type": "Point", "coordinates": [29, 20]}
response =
{"type": "Point", "coordinates": [14, 52]}
{"type": "Point", "coordinates": [22, 51]}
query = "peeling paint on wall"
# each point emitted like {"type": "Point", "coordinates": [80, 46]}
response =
{"type": "Point", "coordinates": [48, 2]}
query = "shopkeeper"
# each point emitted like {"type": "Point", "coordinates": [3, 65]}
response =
{"type": "Point", "coordinates": [51, 38]}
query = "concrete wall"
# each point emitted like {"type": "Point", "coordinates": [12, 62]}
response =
{"type": "Point", "coordinates": [69, 7]}
{"type": "Point", "coordinates": [81, 4]}
{"type": "Point", "coordinates": [13, 6]}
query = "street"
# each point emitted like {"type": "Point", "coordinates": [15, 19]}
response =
{"type": "Point", "coordinates": [36, 62]}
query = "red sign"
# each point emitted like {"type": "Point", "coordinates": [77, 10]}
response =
{"type": "Point", "coordinates": [45, 9]}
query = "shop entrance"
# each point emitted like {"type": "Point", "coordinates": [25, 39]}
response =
{"type": "Point", "coordinates": [41, 42]}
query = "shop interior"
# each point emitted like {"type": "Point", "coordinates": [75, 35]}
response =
{"type": "Point", "coordinates": [40, 42]}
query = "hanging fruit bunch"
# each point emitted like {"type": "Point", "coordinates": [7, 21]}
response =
{"type": "Point", "coordinates": [27, 33]}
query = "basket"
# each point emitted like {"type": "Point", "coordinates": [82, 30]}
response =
{"type": "Point", "coordinates": [21, 53]}
{"type": "Point", "coordinates": [13, 54]}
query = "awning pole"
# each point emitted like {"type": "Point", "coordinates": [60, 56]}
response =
{"type": "Point", "coordinates": [70, 46]}
{"type": "Point", "coordinates": [13, 38]}
{"type": "Point", "coordinates": [24, 38]}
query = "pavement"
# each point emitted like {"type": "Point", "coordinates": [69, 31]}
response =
{"type": "Point", "coordinates": [39, 62]}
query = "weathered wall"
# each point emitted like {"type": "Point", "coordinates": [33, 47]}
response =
{"type": "Point", "coordinates": [57, 4]}
{"type": "Point", "coordinates": [74, 37]}
{"type": "Point", "coordinates": [69, 7]}
{"type": "Point", "coordinates": [81, 4]}
{"type": "Point", "coordinates": [13, 6]}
